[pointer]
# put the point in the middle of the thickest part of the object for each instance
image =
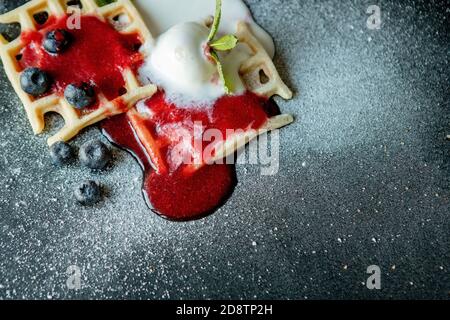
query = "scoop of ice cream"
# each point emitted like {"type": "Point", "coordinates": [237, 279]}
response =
{"type": "Point", "coordinates": [177, 62]}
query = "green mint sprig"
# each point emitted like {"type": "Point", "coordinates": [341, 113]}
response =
{"type": "Point", "coordinates": [216, 22]}
{"type": "Point", "coordinates": [102, 3]}
{"type": "Point", "coordinates": [225, 43]}
{"type": "Point", "coordinates": [226, 83]}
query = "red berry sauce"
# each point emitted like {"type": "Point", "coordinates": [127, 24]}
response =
{"type": "Point", "coordinates": [176, 193]}
{"type": "Point", "coordinates": [98, 54]}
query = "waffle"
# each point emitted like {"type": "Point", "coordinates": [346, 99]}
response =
{"type": "Point", "coordinates": [129, 22]}
{"type": "Point", "coordinates": [238, 141]}
{"type": "Point", "coordinates": [250, 72]}
{"type": "Point", "coordinates": [260, 64]}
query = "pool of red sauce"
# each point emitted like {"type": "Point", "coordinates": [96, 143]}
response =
{"type": "Point", "coordinates": [175, 194]}
{"type": "Point", "coordinates": [97, 54]}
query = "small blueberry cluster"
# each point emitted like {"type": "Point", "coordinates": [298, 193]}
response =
{"type": "Point", "coordinates": [94, 155]}
{"type": "Point", "coordinates": [37, 82]}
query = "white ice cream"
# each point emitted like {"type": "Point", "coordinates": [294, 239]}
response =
{"type": "Point", "coordinates": [161, 15]}
{"type": "Point", "coordinates": [177, 62]}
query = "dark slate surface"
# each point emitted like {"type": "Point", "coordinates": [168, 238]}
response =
{"type": "Point", "coordinates": [364, 180]}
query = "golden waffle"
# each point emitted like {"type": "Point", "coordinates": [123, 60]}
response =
{"type": "Point", "coordinates": [237, 141]}
{"type": "Point", "coordinates": [250, 71]}
{"type": "Point", "coordinates": [259, 64]}
{"type": "Point", "coordinates": [122, 15]}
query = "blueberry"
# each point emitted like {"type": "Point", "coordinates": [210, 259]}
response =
{"type": "Point", "coordinates": [80, 96]}
{"type": "Point", "coordinates": [95, 155]}
{"type": "Point", "coordinates": [56, 41]}
{"type": "Point", "coordinates": [34, 81]}
{"type": "Point", "coordinates": [88, 193]}
{"type": "Point", "coordinates": [61, 153]}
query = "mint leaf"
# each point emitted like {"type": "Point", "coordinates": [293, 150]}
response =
{"type": "Point", "coordinates": [102, 3]}
{"type": "Point", "coordinates": [225, 43]}
{"type": "Point", "coordinates": [215, 57]}
{"type": "Point", "coordinates": [216, 23]}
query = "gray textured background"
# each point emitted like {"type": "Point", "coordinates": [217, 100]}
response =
{"type": "Point", "coordinates": [373, 115]}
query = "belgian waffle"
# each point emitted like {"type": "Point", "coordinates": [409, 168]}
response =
{"type": "Point", "coordinates": [250, 72]}
{"type": "Point", "coordinates": [260, 63]}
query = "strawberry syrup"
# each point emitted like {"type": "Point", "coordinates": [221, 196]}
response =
{"type": "Point", "coordinates": [98, 54]}
{"type": "Point", "coordinates": [175, 193]}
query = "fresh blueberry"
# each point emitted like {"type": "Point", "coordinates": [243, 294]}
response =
{"type": "Point", "coordinates": [80, 96]}
{"type": "Point", "coordinates": [88, 193]}
{"type": "Point", "coordinates": [34, 81]}
{"type": "Point", "coordinates": [95, 155]}
{"type": "Point", "coordinates": [56, 41]}
{"type": "Point", "coordinates": [61, 153]}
